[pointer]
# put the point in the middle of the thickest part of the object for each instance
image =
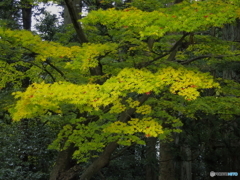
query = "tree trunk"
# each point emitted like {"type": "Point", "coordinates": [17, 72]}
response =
{"type": "Point", "coordinates": [102, 161]}
{"type": "Point", "coordinates": [167, 170]}
{"type": "Point", "coordinates": [77, 5]}
{"type": "Point", "coordinates": [26, 14]}
{"type": "Point", "coordinates": [231, 32]}
{"type": "Point", "coordinates": [151, 158]}
{"type": "Point", "coordinates": [186, 166]}
{"type": "Point", "coordinates": [74, 18]}
{"type": "Point", "coordinates": [63, 164]}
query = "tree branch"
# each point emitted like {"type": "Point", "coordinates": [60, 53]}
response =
{"type": "Point", "coordinates": [174, 49]}
{"type": "Point", "coordinates": [172, 53]}
{"type": "Point", "coordinates": [54, 67]}
{"type": "Point", "coordinates": [121, 152]}
{"type": "Point", "coordinates": [77, 26]}
{"type": "Point", "coordinates": [81, 36]}
{"type": "Point", "coordinates": [71, 173]}
{"type": "Point", "coordinates": [104, 159]}
{"type": "Point", "coordinates": [54, 80]}
{"type": "Point", "coordinates": [204, 56]}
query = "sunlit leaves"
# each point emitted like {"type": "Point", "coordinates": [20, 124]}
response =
{"type": "Point", "coordinates": [33, 43]}
{"type": "Point", "coordinates": [145, 125]}
{"type": "Point", "coordinates": [87, 55]}
{"type": "Point", "coordinates": [183, 17]}
{"type": "Point", "coordinates": [144, 109]}
{"type": "Point", "coordinates": [38, 98]}
{"type": "Point", "coordinates": [120, 41]}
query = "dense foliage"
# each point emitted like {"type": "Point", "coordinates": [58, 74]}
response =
{"type": "Point", "coordinates": [140, 70]}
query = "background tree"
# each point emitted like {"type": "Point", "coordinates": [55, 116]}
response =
{"type": "Point", "coordinates": [24, 153]}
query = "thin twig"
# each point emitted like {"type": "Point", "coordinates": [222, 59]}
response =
{"type": "Point", "coordinates": [54, 80]}
{"type": "Point", "coordinates": [204, 56]}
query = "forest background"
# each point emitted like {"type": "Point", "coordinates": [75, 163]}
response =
{"type": "Point", "coordinates": [134, 89]}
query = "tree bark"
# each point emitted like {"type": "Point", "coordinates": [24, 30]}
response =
{"type": "Point", "coordinates": [151, 158]}
{"type": "Point", "coordinates": [63, 164]}
{"type": "Point", "coordinates": [26, 14]}
{"type": "Point", "coordinates": [167, 170]}
{"type": "Point", "coordinates": [186, 166]}
{"type": "Point", "coordinates": [74, 18]}
{"type": "Point", "coordinates": [231, 32]}
{"type": "Point", "coordinates": [101, 162]}
{"type": "Point", "coordinates": [77, 5]}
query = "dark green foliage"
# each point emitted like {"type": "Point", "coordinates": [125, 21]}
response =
{"type": "Point", "coordinates": [10, 14]}
{"type": "Point", "coordinates": [130, 165]}
{"type": "Point", "coordinates": [214, 145]}
{"type": "Point", "coordinates": [23, 152]}
{"type": "Point", "coordinates": [48, 26]}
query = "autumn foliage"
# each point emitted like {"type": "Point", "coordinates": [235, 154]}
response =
{"type": "Point", "coordinates": [126, 84]}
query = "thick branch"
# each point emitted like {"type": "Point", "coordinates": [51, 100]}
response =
{"type": "Point", "coordinates": [178, 1]}
{"type": "Point", "coordinates": [121, 152]}
{"type": "Point", "coordinates": [179, 42]}
{"type": "Point", "coordinates": [174, 49]}
{"type": "Point", "coordinates": [71, 173]}
{"type": "Point", "coordinates": [81, 36]}
{"type": "Point", "coordinates": [104, 159]}
{"type": "Point", "coordinates": [126, 115]}
{"type": "Point", "coordinates": [62, 164]}
{"type": "Point", "coordinates": [97, 71]}
{"type": "Point", "coordinates": [100, 162]}
{"type": "Point", "coordinates": [77, 26]}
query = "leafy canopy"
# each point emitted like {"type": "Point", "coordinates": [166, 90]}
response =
{"type": "Point", "coordinates": [142, 88]}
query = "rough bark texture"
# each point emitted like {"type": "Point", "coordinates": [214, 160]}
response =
{"type": "Point", "coordinates": [63, 169]}
{"type": "Point", "coordinates": [71, 174]}
{"type": "Point", "coordinates": [74, 7]}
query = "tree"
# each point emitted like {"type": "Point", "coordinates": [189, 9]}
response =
{"type": "Point", "coordinates": [133, 76]}
{"type": "Point", "coordinates": [24, 153]}
{"type": "Point", "coordinates": [10, 17]}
